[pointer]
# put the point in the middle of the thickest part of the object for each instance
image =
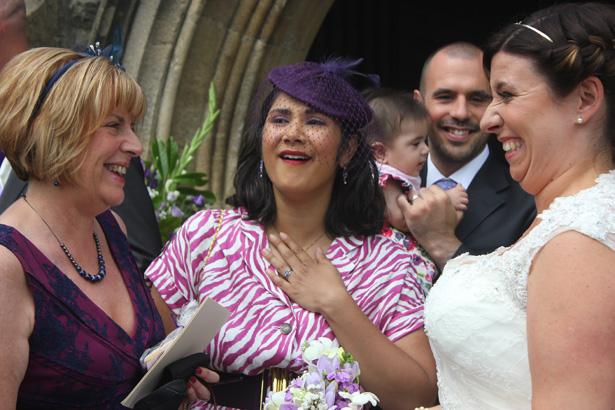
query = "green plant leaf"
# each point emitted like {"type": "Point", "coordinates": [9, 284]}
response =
{"type": "Point", "coordinates": [167, 226]}
{"type": "Point", "coordinates": [192, 179]}
{"type": "Point", "coordinates": [159, 153]}
{"type": "Point", "coordinates": [169, 166]}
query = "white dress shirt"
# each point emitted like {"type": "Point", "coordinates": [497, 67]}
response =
{"type": "Point", "coordinates": [463, 175]}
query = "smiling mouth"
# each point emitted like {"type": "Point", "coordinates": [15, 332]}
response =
{"type": "Point", "coordinates": [511, 146]}
{"type": "Point", "coordinates": [295, 157]}
{"type": "Point", "coordinates": [454, 131]}
{"type": "Point", "coordinates": [117, 169]}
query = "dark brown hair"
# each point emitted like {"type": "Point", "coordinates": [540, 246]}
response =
{"type": "Point", "coordinates": [567, 44]}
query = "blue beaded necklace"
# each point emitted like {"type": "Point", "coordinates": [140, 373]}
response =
{"type": "Point", "coordinates": [101, 261]}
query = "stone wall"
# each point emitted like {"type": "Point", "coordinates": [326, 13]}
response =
{"type": "Point", "coordinates": [176, 48]}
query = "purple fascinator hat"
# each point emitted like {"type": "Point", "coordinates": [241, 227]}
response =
{"type": "Point", "coordinates": [326, 88]}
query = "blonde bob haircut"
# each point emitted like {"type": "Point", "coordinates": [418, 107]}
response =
{"type": "Point", "coordinates": [52, 142]}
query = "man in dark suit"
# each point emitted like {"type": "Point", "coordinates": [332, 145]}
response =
{"type": "Point", "coordinates": [455, 90]}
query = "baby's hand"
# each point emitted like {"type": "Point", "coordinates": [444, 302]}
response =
{"type": "Point", "coordinates": [459, 198]}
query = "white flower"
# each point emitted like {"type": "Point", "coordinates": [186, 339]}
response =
{"type": "Point", "coordinates": [358, 399]}
{"type": "Point", "coordinates": [275, 400]}
{"type": "Point", "coordinates": [172, 196]}
{"type": "Point", "coordinates": [314, 401]}
{"type": "Point", "coordinates": [316, 348]}
{"type": "Point", "coordinates": [152, 192]}
{"type": "Point", "coordinates": [331, 373]}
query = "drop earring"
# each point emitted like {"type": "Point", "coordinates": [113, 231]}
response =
{"type": "Point", "coordinates": [260, 169]}
{"type": "Point", "coordinates": [345, 174]}
{"type": "Point", "coordinates": [579, 120]}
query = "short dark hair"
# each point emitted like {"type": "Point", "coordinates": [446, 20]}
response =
{"type": "Point", "coordinates": [460, 49]}
{"type": "Point", "coordinates": [391, 107]}
{"type": "Point", "coordinates": [580, 44]}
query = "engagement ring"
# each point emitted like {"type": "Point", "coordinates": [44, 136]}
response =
{"type": "Point", "coordinates": [287, 273]}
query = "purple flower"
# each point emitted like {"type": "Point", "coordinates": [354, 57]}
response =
{"type": "Point", "coordinates": [175, 211]}
{"type": "Point", "coordinates": [327, 366]}
{"type": "Point", "coordinates": [342, 377]}
{"type": "Point", "coordinates": [330, 393]}
{"type": "Point", "coordinates": [199, 200]}
{"type": "Point", "coordinates": [314, 379]}
{"type": "Point", "coordinates": [148, 172]}
{"type": "Point", "coordinates": [353, 388]}
{"type": "Point", "coordinates": [153, 183]}
{"type": "Point", "coordinates": [352, 370]}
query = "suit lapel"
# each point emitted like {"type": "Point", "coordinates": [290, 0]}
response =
{"type": "Point", "coordinates": [484, 194]}
{"type": "Point", "coordinates": [423, 175]}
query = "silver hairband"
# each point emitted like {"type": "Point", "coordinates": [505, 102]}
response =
{"type": "Point", "coordinates": [535, 30]}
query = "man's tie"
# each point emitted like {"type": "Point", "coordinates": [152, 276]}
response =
{"type": "Point", "coordinates": [446, 183]}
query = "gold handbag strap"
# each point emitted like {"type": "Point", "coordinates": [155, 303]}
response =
{"type": "Point", "coordinates": [215, 236]}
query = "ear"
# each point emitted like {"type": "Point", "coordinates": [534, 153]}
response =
{"type": "Point", "coordinates": [348, 151]}
{"type": "Point", "coordinates": [380, 152]}
{"type": "Point", "coordinates": [590, 93]}
{"type": "Point", "coordinates": [418, 96]}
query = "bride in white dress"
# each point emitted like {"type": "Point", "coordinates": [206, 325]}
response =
{"type": "Point", "coordinates": [533, 325]}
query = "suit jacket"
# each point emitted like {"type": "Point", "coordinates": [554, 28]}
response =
{"type": "Point", "coordinates": [136, 211]}
{"type": "Point", "coordinates": [499, 210]}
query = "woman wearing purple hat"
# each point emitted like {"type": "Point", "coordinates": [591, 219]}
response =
{"type": "Point", "coordinates": [306, 219]}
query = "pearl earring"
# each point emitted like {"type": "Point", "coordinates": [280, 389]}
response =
{"type": "Point", "coordinates": [579, 120]}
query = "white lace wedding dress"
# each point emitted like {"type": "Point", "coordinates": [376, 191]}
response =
{"type": "Point", "coordinates": [475, 315]}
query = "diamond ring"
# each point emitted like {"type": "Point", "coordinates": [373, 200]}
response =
{"type": "Point", "coordinates": [287, 273]}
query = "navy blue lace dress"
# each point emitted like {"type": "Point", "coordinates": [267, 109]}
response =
{"type": "Point", "coordinates": [79, 357]}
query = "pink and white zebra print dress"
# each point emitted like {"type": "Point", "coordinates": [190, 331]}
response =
{"type": "Point", "coordinates": [266, 329]}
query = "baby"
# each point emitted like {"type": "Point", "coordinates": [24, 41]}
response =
{"type": "Point", "coordinates": [404, 123]}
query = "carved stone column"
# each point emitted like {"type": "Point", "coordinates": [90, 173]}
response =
{"type": "Point", "coordinates": [175, 48]}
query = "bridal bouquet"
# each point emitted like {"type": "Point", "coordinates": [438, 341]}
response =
{"type": "Point", "coordinates": [330, 382]}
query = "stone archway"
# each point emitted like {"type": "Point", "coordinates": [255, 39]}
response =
{"type": "Point", "coordinates": [175, 48]}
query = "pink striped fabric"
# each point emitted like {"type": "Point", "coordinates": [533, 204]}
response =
{"type": "Point", "coordinates": [377, 273]}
